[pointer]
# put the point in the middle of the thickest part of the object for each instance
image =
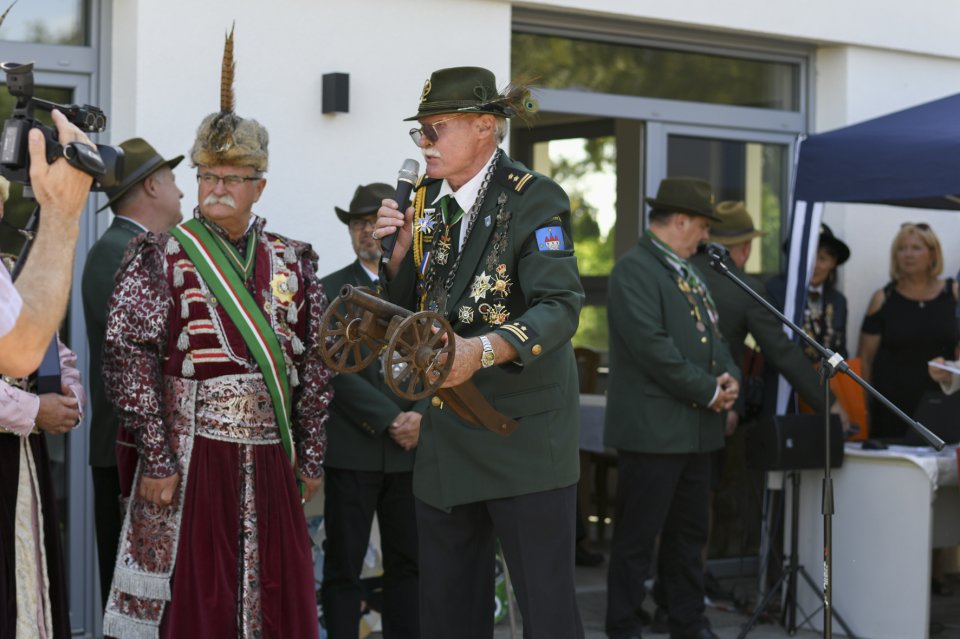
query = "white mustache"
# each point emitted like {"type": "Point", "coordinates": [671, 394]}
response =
{"type": "Point", "coordinates": [226, 200]}
{"type": "Point", "coordinates": [431, 152]}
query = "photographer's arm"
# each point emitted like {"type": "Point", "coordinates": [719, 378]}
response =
{"type": "Point", "coordinates": [44, 284]}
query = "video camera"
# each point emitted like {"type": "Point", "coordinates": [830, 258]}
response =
{"type": "Point", "coordinates": [103, 163]}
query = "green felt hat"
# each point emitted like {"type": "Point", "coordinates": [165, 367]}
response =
{"type": "Point", "coordinates": [684, 195]}
{"type": "Point", "coordinates": [140, 161]}
{"type": "Point", "coordinates": [471, 90]}
{"type": "Point", "coordinates": [735, 225]}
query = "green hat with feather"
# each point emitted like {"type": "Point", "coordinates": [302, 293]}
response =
{"type": "Point", "coordinates": [472, 90]}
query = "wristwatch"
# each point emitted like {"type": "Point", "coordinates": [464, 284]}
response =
{"type": "Point", "coordinates": [488, 357]}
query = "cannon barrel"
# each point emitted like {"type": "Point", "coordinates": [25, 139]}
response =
{"type": "Point", "coordinates": [378, 306]}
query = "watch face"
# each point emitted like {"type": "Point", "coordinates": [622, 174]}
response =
{"type": "Point", "coordinates": [487, 359]}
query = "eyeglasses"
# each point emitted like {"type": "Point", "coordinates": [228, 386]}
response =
{"type": "Point", "coordinates": [363, 224]}
{"type": "Point", "coordinates": [211, 180]}
{"type": "Point", "coordinates": [430, 131]}
{"type": "Point", "coordinates": [923, 226]}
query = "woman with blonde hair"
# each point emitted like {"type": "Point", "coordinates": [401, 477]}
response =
{"type": "Point", "coordinates": [909, 322]}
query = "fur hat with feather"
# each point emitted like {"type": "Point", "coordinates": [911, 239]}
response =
{"type": "Point", "coordinates": [224, 138]}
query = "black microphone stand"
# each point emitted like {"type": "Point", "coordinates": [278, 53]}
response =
{"type": "Point", "coordinates": [830, 364]}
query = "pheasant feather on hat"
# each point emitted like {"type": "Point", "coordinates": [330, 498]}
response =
{"type": "Point", "coordinates": [224, 138]}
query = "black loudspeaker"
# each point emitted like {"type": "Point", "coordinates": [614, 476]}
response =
{"type": "Point", "coordinates": [941, 414]}
{"type": "Point", "coordinates": [336, 93]}
{"type": "Point", "coordinates": [793, 442]}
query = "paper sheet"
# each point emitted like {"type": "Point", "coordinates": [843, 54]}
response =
{"type": "Point", "coordinates": [945, 366]}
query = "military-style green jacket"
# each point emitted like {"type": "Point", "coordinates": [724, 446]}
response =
{"type": "Point", "coordinates": [99, 274]}
{"type": "Point", "coordinates": [363, 406]}
{"type": "Point", "coordinates": [517, 277]}
{"type": "Point", "coordinates": [663, 368]}
{"type": "Point", "coordinates": [741, 314]}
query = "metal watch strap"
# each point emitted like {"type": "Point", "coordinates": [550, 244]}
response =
{"type": "Point", "coordinates": [487, 358]}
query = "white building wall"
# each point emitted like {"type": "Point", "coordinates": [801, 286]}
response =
{"type": "Point", "coordinates": [166, 69]}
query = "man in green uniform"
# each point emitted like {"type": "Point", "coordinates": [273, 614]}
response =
{"type": "Point", "coordinates": [671, 377]}
{"type": "Point", "coordinates": [368, 466]}
{"type": "Point", "coordinates": [487, 244]}
{"type": "Point", "coordinates": [740, 314]}
{"type": "Point", "coordinates": [146, 199]}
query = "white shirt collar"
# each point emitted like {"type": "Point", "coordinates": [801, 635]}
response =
{"type": "Point", "coordinates": [467, 194]}
{"type": "Point", "coordinates": [373, 276]}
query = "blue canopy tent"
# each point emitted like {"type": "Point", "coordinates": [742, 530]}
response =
{"type": "Point", "coordinates": [907, 158]}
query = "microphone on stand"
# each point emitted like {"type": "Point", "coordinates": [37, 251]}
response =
{"type": "Point", "coordinates": [717, 253]}
{"type": "Point", "coordinates": [405, 181]}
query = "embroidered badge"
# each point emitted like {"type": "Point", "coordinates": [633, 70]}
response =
{"type": "Point", "coordinates": [495, 314]}
{"type": "Point", "coordinates": [502, 282]}
{"type": "Point", "coordinates": [481, 284]}
{"type": "Point", "coordinates": [427, 86]}
{"type": "Point", "coordinates": [550, 238]}
{"type": "Point", "coordinates": [465, 314]}
{"type": "Point", "coordinates": [281, 289]}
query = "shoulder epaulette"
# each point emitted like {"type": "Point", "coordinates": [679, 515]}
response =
{"type": "Point", "coordinates": [515, 179]}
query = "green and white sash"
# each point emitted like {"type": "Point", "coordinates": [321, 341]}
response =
{"type": "Point", "coordinates": [215, 267]}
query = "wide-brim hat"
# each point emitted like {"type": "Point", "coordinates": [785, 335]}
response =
{"type": "Point", "coordinates": [471, 90]}
{"type": "Point", "coordinates": [140, 161]}
{"type": "Point", "coordinates": [828, 239]}
{"type": "Point", "coordinates": [366, 201]}
{"type": "Point", "coordinates": [684, 195]}
{"type": "Point", "coordinates": [735, 225]}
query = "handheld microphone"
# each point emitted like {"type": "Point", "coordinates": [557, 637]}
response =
{"type": "Point", "coordinates": [405, 181]}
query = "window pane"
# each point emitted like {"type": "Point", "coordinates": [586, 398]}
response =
{"type": "Point", "coordinates": [47, 22]}
{"type": "Point", "coordinates": [751, 172]}
{"type": "Point", "coordinates": [592, 331]}
{"type": "Point", "coordinates": [566, 63]}
{"type": "Point", "coordinates": [586, 168]}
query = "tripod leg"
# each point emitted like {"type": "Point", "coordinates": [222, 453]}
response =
{"type": "Point", "coordinates": [762, 606]}
{"type": "Point", "coordinates": [836, 615]}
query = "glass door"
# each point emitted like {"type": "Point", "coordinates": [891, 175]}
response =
{"type": "Point", "coordinates": [750, 167]}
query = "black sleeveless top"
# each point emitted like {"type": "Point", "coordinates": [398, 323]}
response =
{"type": "Point", "coordinates": [911, 334]}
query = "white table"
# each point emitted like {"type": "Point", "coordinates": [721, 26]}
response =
{"type": "Point", "coordinates": [892, 508]}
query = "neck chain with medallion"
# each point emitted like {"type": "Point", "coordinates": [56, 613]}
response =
{"type": "Point", "coordinates": [436, 298]}
{"type": "Point", "coordinates": [690, 285]}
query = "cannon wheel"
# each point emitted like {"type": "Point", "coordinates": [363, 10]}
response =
{"type": "Point", "coordinates": [343, 347]}
{"type": "Point", "coordinates": [412, 353]}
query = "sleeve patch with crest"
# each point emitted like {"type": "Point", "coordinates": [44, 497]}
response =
{"type": "Point", "coordinates": [550, 238]}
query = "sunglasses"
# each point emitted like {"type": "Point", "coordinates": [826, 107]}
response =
{"type": "Point", "coordinates": [430, 131]}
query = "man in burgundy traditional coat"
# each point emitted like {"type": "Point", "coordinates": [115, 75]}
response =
{"type": "Point", "coordinates": [211, 360]}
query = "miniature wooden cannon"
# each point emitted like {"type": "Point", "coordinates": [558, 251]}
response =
{"type": "Point", "coordinates": [418, 350]}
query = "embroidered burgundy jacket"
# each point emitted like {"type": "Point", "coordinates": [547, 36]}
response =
{"type": "Point", "coordinates": [163, 321]}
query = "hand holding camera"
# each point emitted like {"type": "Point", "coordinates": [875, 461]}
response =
{"type": "Point", "coordinates": [59, 188]}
